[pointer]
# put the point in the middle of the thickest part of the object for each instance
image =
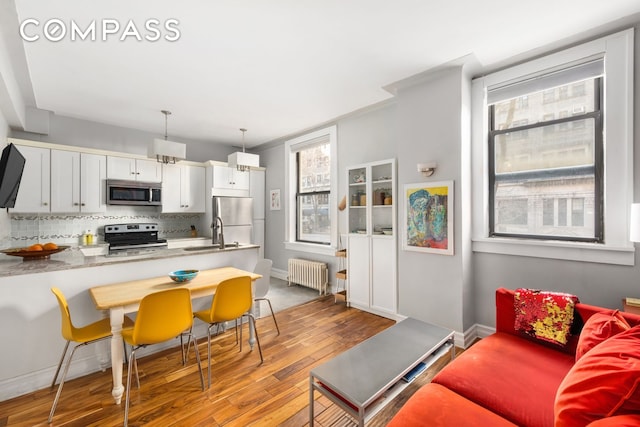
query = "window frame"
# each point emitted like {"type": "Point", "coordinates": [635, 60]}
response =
{"type": "Point", "coordinates": [299, 194]}
{"type": "Point", "coordinates": [292, 147]}
{"type": "Point", "coordinates": [598, 173]}
{"type": "Point", "coordinates": [618, 50]}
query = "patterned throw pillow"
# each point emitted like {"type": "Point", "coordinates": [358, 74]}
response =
{"type": "Point", "coordinates": [544, 315]}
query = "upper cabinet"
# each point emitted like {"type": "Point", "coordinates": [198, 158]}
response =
{"type": "Point", "coordinates": [134, 169]}
{"type": "Point", "coordinates": [372, 198]}
{"type": "Point", "coordinates": [228, 181]}
{"type": "Point", "coordinates": [34, 191]}
{"type": "Point", "coordinates": [77, 182]}
{"type": "Point", "coordinates": [183, 188]}
{"type": "Point", "coordinates": [61, 181]}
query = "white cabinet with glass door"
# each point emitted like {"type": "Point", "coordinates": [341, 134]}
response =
{"type": "Point", "coordinates": [371, 211]}
{"type": "Point", "coordinates": [78, 181]}
{"type": "Point", "coordinates": [35, 185]}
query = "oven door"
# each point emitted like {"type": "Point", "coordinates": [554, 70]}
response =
{"type": "Point", "coordinates": [133, 193]}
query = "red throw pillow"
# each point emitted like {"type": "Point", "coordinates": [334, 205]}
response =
{"type": "Point", "coordinates": [605, 382]}
{"type": "Point", "coordinates": [598, 328]}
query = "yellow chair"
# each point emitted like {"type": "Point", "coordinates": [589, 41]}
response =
{"type": "Point", "coordinates": [162, 316]}
{"type": "Point", "coordinates": [88, 334]}
{"type": "Point", "coordinates": [231, 301]}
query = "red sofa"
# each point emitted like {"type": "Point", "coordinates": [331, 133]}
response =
{"type": "Point", "coordinates": [511, 379]}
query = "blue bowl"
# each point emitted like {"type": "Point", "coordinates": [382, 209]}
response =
{"type": "Point", "coordinates": [181, 276]}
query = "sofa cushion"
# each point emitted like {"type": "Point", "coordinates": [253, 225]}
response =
{"type": "Point", "coordinates": [434, 405]}
{"type": "Point", "coordinates": [598, 328]}
{"type": "Point", "coordinates": [511, 376]}
{"type": "Point", "coordinates": [603, 383]}
{"type": "Point", "coordinates": [617, 421]}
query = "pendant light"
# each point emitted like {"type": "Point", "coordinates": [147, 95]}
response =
{"type": "Point", "coordinates": [166, 151]}
{"type": "Point", "coordinates": [241, 160]}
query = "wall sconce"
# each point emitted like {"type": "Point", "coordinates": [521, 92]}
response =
{"type": "Point", "coordinates": [427, 169]}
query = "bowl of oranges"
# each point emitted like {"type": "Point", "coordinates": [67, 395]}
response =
{"type": "Point", "coordinates": [36, 251]}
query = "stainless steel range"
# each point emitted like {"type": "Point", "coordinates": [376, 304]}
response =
{"type": "Point", "coordinates": [124, 238]}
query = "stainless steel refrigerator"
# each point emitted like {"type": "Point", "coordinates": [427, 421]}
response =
{"type": "Point", "coordinates": [236, 214]}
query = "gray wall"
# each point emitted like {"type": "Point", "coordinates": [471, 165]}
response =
{"type": "Point", "coordinates": [430, 129]}
{"type": "Point", "coordinates": [83, 133]}
{"type": "Point", "coordinates": [597, 284]}
{"type": "Point", "coordinates": [429, 121]}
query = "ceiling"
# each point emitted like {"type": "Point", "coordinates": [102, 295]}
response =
{"type": "Point", "coordinates": [275, 67]}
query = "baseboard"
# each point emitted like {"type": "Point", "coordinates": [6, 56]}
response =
{"type": "Point", "coordinates": [284, 275]}
{"type": "Point", "coordinates": [475, 332]}
{"type": "Point", "coordinates": [279, 274]}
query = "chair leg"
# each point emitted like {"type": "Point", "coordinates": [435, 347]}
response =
{"type": "Point", "coordinates": [64, 376]}
{"type": "Point", "coordinates": [184, 361]}
{"type": "Point", "coordinates": [272, 314]}
{"type": "Point", "coordinates": [253, 320]}
{"type": "Point", "coordinates": [132, 360]}
{"type": "Point", "coordinates": [135, 366]}
{"type": "Point", "coordinates": [209, 353]}
{"type": "Point", "coordinates": [64, 353]}
{"type": "Point", "coordinates": [197, 360]}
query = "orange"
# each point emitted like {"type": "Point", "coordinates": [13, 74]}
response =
{"type": "Point", "coordinates": [49, 246]}
{"type": "Point", "coordinates": [35, 247]}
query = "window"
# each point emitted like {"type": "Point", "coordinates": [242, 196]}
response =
{"type": "Point", "coordinates": [313, 224]}
{"type": "Point", "coordinates": [311, 207]}
{"type": "Point", "coordinates": [552, 159]}
{"type": "Point", "coordinates": [574, 164]}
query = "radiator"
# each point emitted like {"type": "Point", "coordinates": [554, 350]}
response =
{"type": "Point", "coordinates": [312, 274]}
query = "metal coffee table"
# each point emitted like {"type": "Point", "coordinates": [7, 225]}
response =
{"type": "Point", "coordinates": [365, 378]}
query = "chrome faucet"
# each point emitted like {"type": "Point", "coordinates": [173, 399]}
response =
{"type": "Point", "coordinates": [218, 237]}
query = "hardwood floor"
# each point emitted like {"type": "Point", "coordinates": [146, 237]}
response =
{"type": "Point", "coordinates": [242, 393]}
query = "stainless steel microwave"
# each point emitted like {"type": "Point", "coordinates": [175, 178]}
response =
{"type": "Point", "coordinates": [135, 193]}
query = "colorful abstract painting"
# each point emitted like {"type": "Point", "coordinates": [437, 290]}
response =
{"type": "Point", "coordinates": [429, 217]}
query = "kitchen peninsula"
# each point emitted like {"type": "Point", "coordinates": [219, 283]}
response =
{"type": "Point", "coordinates": [31, 318]}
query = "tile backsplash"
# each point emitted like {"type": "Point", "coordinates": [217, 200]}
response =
{"type": "Point", "coordinates": [68, 229]}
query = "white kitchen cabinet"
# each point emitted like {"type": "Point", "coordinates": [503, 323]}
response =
{"type": "Point", "coordinates": [228, 181]}
{"type": "Point", "coordinates": [34, 192]}
{"type": "Point", "coordinates": [78, 182]}
{"type": "Point", "coordinates": [183, 188]}
{"type": "Point", "coordinates": [372, 246]}
{"type": "Point", "coordinates": [134, 169]}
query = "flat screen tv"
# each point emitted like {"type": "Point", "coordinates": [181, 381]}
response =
{"type": "Point", "coordinates": [11, 167]}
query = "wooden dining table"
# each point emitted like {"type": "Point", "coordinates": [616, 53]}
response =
{"type": "Point", "coordinates": [125, 297]}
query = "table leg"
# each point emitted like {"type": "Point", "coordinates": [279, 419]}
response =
{"type": "Point", "coordinates": [117, 320]}
{"type": "Point", "coordinates": [311, 420]}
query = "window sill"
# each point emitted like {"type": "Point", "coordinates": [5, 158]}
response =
{"type": "Point", "coordinates": [568, 251]}
{"type": "Point", "coordinates": [310, 248]}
